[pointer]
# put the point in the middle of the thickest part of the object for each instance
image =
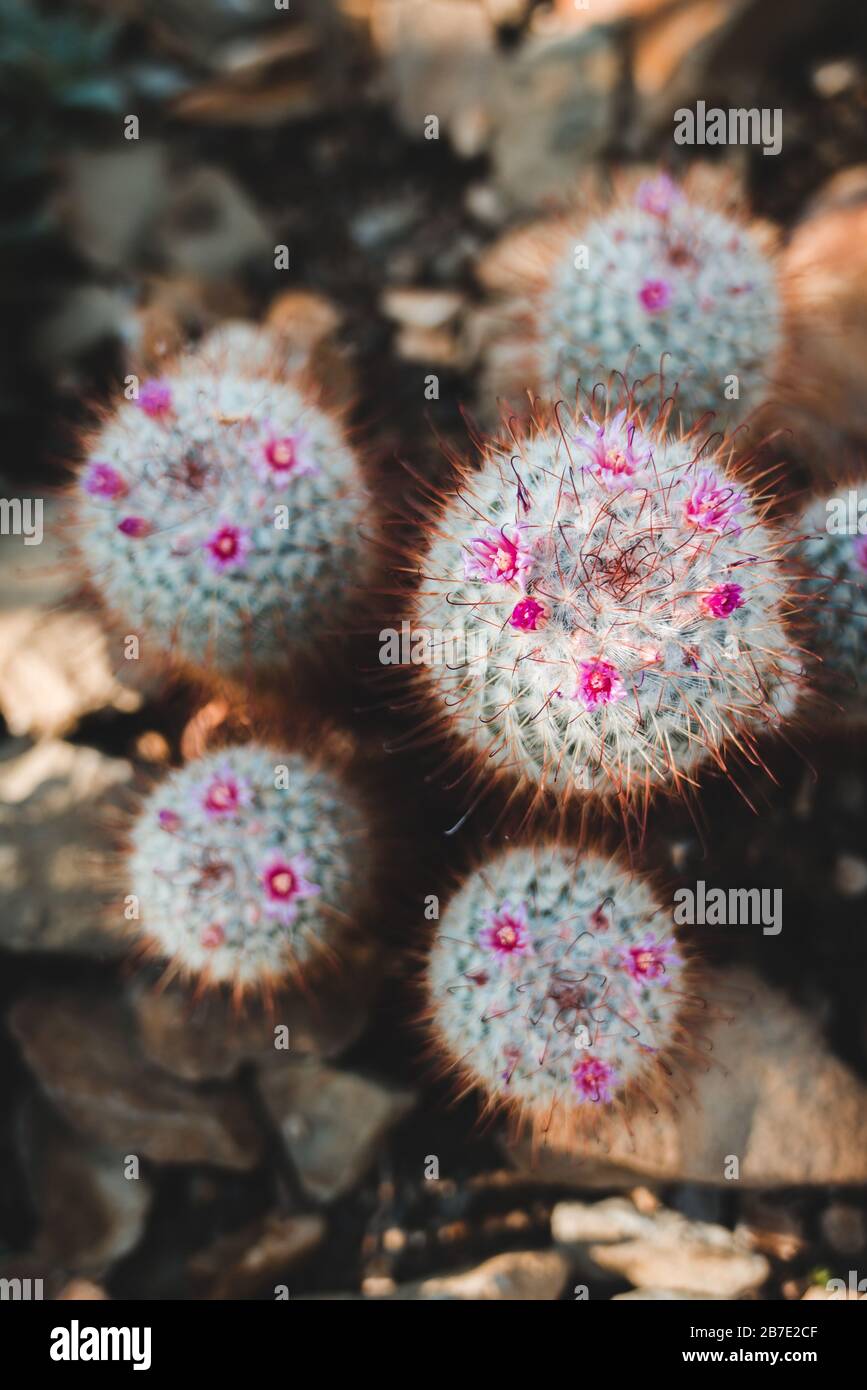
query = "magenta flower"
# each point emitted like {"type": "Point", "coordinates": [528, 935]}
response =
{"type": "Point", "coordinates": [285, 885]}
{"type": "Point", "coordinates": [155, 398]}
{"type": "Point", "coordinates": [500, 556]}
{"type": "Point", "coordinates": [136, 527]}
{"type": "Point", "coordinates": [657, 195]}
{"type": "Point", "coordinates": [593, 1079]}
{"type": "Point", "coordinates": [599, 683]}
{"type": "Point", "coordinates": [655, 295]}
{"type": "Point", "coordinates": [212, 936]}
{"type": "Point", "coordinates": [508, 932]}
{"type": "Point", "coordinates": [860, 548]}
{"type": "Point", "coordinates": [616, 455]}
{"type": "Point", "coordinates": [225, 794]}
{"type": "Point", "coordinates": [528, 615]}
{"type": "Point", "coordinates": [711, 506]}
{"type": "Point", "coordinates": [723, 600]}
{"type": "Point", "coordinates": [101, 480]}
{"type": "Point", "coordinates": [649, 960]}
{"type": "Point", "coordinates": [279, 458]}
{"type": "Point", "coordinates": [227, 547]}
{"type": "Point", "coordinates": [169, 820]}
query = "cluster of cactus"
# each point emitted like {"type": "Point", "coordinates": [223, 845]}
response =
{"type": "Point", "coordinates": [620, 604]}
{"type": "Point", "coordinates": [221, 516]}
{"type": "Point", "coordinates": [672, 283]}
{"type": "Point", "coordinates": [555, 982]}
{"type": "Point", "coordinates": [248, 866]}
{"type": "Point", "coordinates": [833, 555]}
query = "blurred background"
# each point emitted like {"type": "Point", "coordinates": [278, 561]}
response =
{"type": "Point", "coordinates": [255, 127]}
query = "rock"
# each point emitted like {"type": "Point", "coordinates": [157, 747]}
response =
{"type": "Point", "coordinates": [658, 1250]}
{"type": "Point", "coordinates": [554, 109]}
{"type": "Point", "coordinates": [770, 1073]}
{"type": "Point", "coordinates": [81, 1050]}
{"type": "Point", "coordinates": [665, 1295]}
{"type": "Point", "coordinates": [206, 1039]}
{"type": "Point", "coordinates": [850, 875]}
{"type": "Point", "coordinates": [771, 1227]}
{"type": "Point", "coordinates": [86, 316]}
{"type": "Point", "coordinates": [56, 861]}
{"type": "Point", "coordinates": [55, 662]}
{"type": "Point", "coordinates": [82, 1291]}
{"type": "Point", "coordinates": [332, 1122]}
{"type": "Point", "coordinates": [91, 1214]}
{"type": "Point", "coordinates": [521, 1275]}
{"type": "Point", "coordinates": [210, 226]}
{"type": "Point", "coordinates": [844, 1227]}
{"type": "Point", "coordinates": [247, 1263]}
{"type": "Point", "coordinates": [693, 1257]}
{"type": "Point", "coordinates": [422, 308]}
{"type": "Point", "coordinates": [109, 201]}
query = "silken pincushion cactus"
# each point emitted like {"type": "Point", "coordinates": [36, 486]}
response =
{"type": "Point", "coordinates": [249, 866]}
{"type": "Point", "coordinates": [833, 553]}
{"type": "Point", "coordinates": [556, 984]}
{"type": "Point", "coordinates": [664, 283]}
{"type": "Point", "coordinates": [221, 516]}
{"type": "Point", "coordinates": [615, 607]}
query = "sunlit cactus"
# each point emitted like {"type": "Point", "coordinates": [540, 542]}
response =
{"type": "Point", "coordinates": [833, 553]}
{"type": "Point", "coordinates": [248, 867]}
{"type": "Point", "coordinates": [665, 282]}
{"type": "Point", "coordinates": [223, 517]}
{"type": "Point", "coordinates": [618, 608]}
{"type": "Point", "coordinates": [555, 984]}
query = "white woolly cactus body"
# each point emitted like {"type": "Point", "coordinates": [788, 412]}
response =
{"type": "Point", "coordinates": [616, 606]}
{"type": "Point", "coordinates": [834, 557]}
{"type": "Point", "coordinates": [663, 278]}
{"type": "Point", "coordinates": [249, 866]}
{"type": "Point", "coordinates": [555, 983]}
{"type": "Point", "coordinates": [220, 516]}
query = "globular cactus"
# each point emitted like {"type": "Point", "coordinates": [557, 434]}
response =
{"type": "Point", "coordinates": [833, 553]}
{"type": "Point", "coordinates": [249, 866]}
{"type": "Point", "coordinates": [615, 606]}
{"type": "Point", "coordinates": [663, 282]}
{"type": "Point", "coordinates": [556, 984]}
{"type": "Point", "coordinates": [222, 516]}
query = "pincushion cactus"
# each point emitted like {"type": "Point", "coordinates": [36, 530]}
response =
{"type": "Point", "coordinates": [834, 556]}
{"type": "Point", "coordinates": [222, 516]}
{"type": "Point", "coordinates": [556, 984]}
{"type": "Point", "coordinates": [617, 606]}
{"type": "Point", "coordinates": [249, 866]}
{"type": "Point", "coordinates": [659, 284]}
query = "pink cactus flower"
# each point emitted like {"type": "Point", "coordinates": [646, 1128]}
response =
{"type": "Point", "coordinates": [617, 452]}
{"type": "Point", "coordinates": [227, 547]}
{"type": "Point", "coordinates": [101, 480]}
{"type": "Point", "coordinates": [278, 458]}
{"type": "Point", "coordinates": [594, 1080]}
{"type": "Point", "coordinates": [711, 506]}
{"type": "Point", "coordinates": [212, 936]}
{"type": "Point", "coordinates": [528, 615]}
{"type": "Point", "coordinates": [136, 527]}
{"type": "Point", "coordinates": [655, 295]}
{"type": "Point", "coordinates": [860, 548]}
{"type": "Point", "coordinates": [285, 885]}
{"type": "Point", "coordinates": [599, 683]}
{"type": "Point", "coordinates": [225, 794]}
{"type": "Point", "coordinates": [649, 960]}
{"type": "Point", "coordinates": [501, 556]}
{"type": "Point", "coordinates": [508, 932]}
{"type": "Point", "coordinates": [657, 195]}
{"type": "Point", "coordinates": [155, 398]}
{"type": "Point", "coordinates": [169, 820]}
{"type": "Point", "coordinates": [722, 601]}
{"type": "Point", "coordinates": [599, 919]}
